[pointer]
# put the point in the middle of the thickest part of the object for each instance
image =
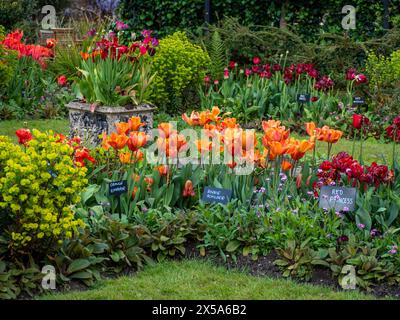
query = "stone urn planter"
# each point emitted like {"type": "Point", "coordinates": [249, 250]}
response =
{"type": "Point", "coordinates": [89, 125]}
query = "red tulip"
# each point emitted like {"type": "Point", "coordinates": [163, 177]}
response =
{"type": "Point", "coordinates": [62, 80]}
{"type": "Point", "coordinates": [24, 135]}
{"type": "Point", "coordinates": [359, 121]}
{"type": "Point", "coordinates": [256, 60]}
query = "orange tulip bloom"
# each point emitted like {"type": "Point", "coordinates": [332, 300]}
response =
{"type": "Point", "coordinates": [329, 135]}
{"type": "Point", "coordinates": [275, 134]}
{"type": "Point", "coordinates": [297, 149]}
{"type": "Point", "coordinates": [122, 127]}
{"type": "Point", "coordinates": [117, 141]}
{"type": "Point", "coordinates": [166, 129]}
{"type": "Point", "coordinates": [135, 189]}
{"type": "Point", "coordinates": [270, 124]}
{"type": "Point", "coordinates": [84, 55]}
{"type": "Point", "coordinates": [139, 155]}
{"type": "Point", "coordinates": [163, 170]}
{"type": "Point", "coordinates": [231, 164]}
{"type": "Point", "coordinates": [277, 149]}
{"type": "Point", "coordinates": [286, 165]}
{"type": "Point", "coordinates": [149, 182]}
{"type": "Point", "coordinates": [172, 145]}
{"type": "Point", "coordinates": [135, 123]}
{"type": "Point", "coordinates": [193, 120]}
{"type": "Point", "coordinates": [214, 114]}
{"type": "Point", "coordinates": [188, 189]}
{"type": "Point", "coordinates": [203, 146]}
{"type": "Point", "coordinates": [229, 123]}
{"type": "Point", "coordinates": [136, 140]}
{"type": "Point", "coordinates": [249, 139]}
{"type": "Point", "coordinates": [125, 157]}
{"type": "Point", "coordinates": [104, 144]}
{"type": "Point", "coordinates": [311, 129]}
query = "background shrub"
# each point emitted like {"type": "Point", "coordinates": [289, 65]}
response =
{"type": "Point", "coordinates": [180, 67]}
{"type": "Point", "coordinates": [308, 18]}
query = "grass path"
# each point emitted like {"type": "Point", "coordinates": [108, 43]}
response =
{"type": "Point", "coordinates": [200, 280]}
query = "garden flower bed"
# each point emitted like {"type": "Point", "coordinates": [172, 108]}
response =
{"type": "Point", "coordinates": [81, 207]}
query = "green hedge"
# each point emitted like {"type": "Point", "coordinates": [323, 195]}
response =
{"type": "Point", "coordinates": [303, 16]}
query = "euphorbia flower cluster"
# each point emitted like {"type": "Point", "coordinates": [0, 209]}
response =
{"type": "Point", "coordinates": [39, 53]}
{"type": "Point", "coordinates": [343, 168]}
{"type": "Point", "coordinates": [80, 154]}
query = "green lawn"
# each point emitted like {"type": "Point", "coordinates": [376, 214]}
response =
{"type": "Point", "coordinates": [7, 128]}
{"type": "Point", "coordinates": [200, 280]}
{"type": "Point", "coordinates": [373, 150]}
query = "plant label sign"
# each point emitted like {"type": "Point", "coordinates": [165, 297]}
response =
{"type": "Point", "coordinates": [303, 98]}
{"type": "Point", "coordinates": [358, 101]}
{"type": "Point", "coordinates": [338, 198]}
{"type": "Point", "coordinates": [216, 195]}
{"type": "Point", "coordinates": [116, 188]}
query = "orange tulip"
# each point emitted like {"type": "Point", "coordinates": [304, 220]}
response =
{"type": "Point", "coordinates": [163, 170]}
{"type": "Point", "coordinates": [229, 123]}
{"type": "Point", "coordinates": [193, 120]}
{"type": "Point", "coordinates": [214, 114]}
{"type": "Point", "coordinates": [299, 180]}
{"type": "Point", "coordinates": [104, 144]}
{"type": "Point", "coordinates": [231, 164]}
{"type": "Point", "coordinates": [139, 155]}
{"type": "Point", "coordinates": [136, 140]}
{"type": "Point", "coordinates": [188, 189]}
{"type": "Point", "coordinates": [286, 165]}
{"type": "Point", "coordinates": [297, 149]}
{"type": "Point", "coordinates": [149, 182]}
{"type": "Point", "coordinates": [311, 129]}
{"type": "Point", "coordinates": [135, 189]}
{"type": "Point", "coordinates": [270, 124]}
{"type": "Point", "coordinates": [276, 149]}
{"type": "Point", "coordinates": [135, 123]}
{"type": "Point", "coordinates": [172, 145]}
{"type": "Point", "coordinates": [165, 129]}
{"type": "Point", "coordinates": [328, 135]}
{"type": "Point", "coordinates": [122, 127]}
{"type": "Point", "coordinates": [125, 157]}
{"type": "Point", "coordinates": [117, 141]}
{"type": "Point", "coordinates": [84, 55]}
{"type": "Point", "coordinates": [135, 177]}
{"type": "Point", "coordinates": [203, 146]}
{"type": "Point", "coordinates": [276, 134]}
{"type": "Point", "coordinates": [249, 139]}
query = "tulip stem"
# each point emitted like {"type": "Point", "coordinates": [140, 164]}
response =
{"type": "Point", "coordinates": [354, 143]}
{"type": "Point", "coordinates": [394, 148]}
{"type": "Point", "coordinates": [361, 145]}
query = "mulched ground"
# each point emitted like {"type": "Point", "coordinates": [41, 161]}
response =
{"type": "Point", "coordinates": [264, 266]}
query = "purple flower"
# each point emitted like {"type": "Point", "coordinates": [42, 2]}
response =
{"type": "Point", "coordinates": [91, 33]}
{"type": "Point", "coordinates": [360, 226]}
{"type": "Point", "coordinates": [393, 250]}
{"type": "Point", "coordinates": [374, 233]}
{"type": "Point", "coordinates": [339, 214]}
{"type": "Point", "coordinates": [120, 25]}
{"type": "Point", "coordinates": [154, 42]}
{"type": "Point", "coordinates": [346, 209]}
{"type": "Point", "coordinates": [342, 239]}
{"type": "Point", "coordinates": [146, 33]}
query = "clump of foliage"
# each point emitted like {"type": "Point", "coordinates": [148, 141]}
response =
{"type": "Point", "coordinates": [180, 67]}
{"type": "Point", "coordinates": [38, 184]}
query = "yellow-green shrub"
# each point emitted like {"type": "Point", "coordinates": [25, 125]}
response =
{"type": "Point", "coordinates": [179, 65]}
{"type": "Point", "coordinates": [383, 71]}
{"type": "Point", "coordinates": [38, 185]}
